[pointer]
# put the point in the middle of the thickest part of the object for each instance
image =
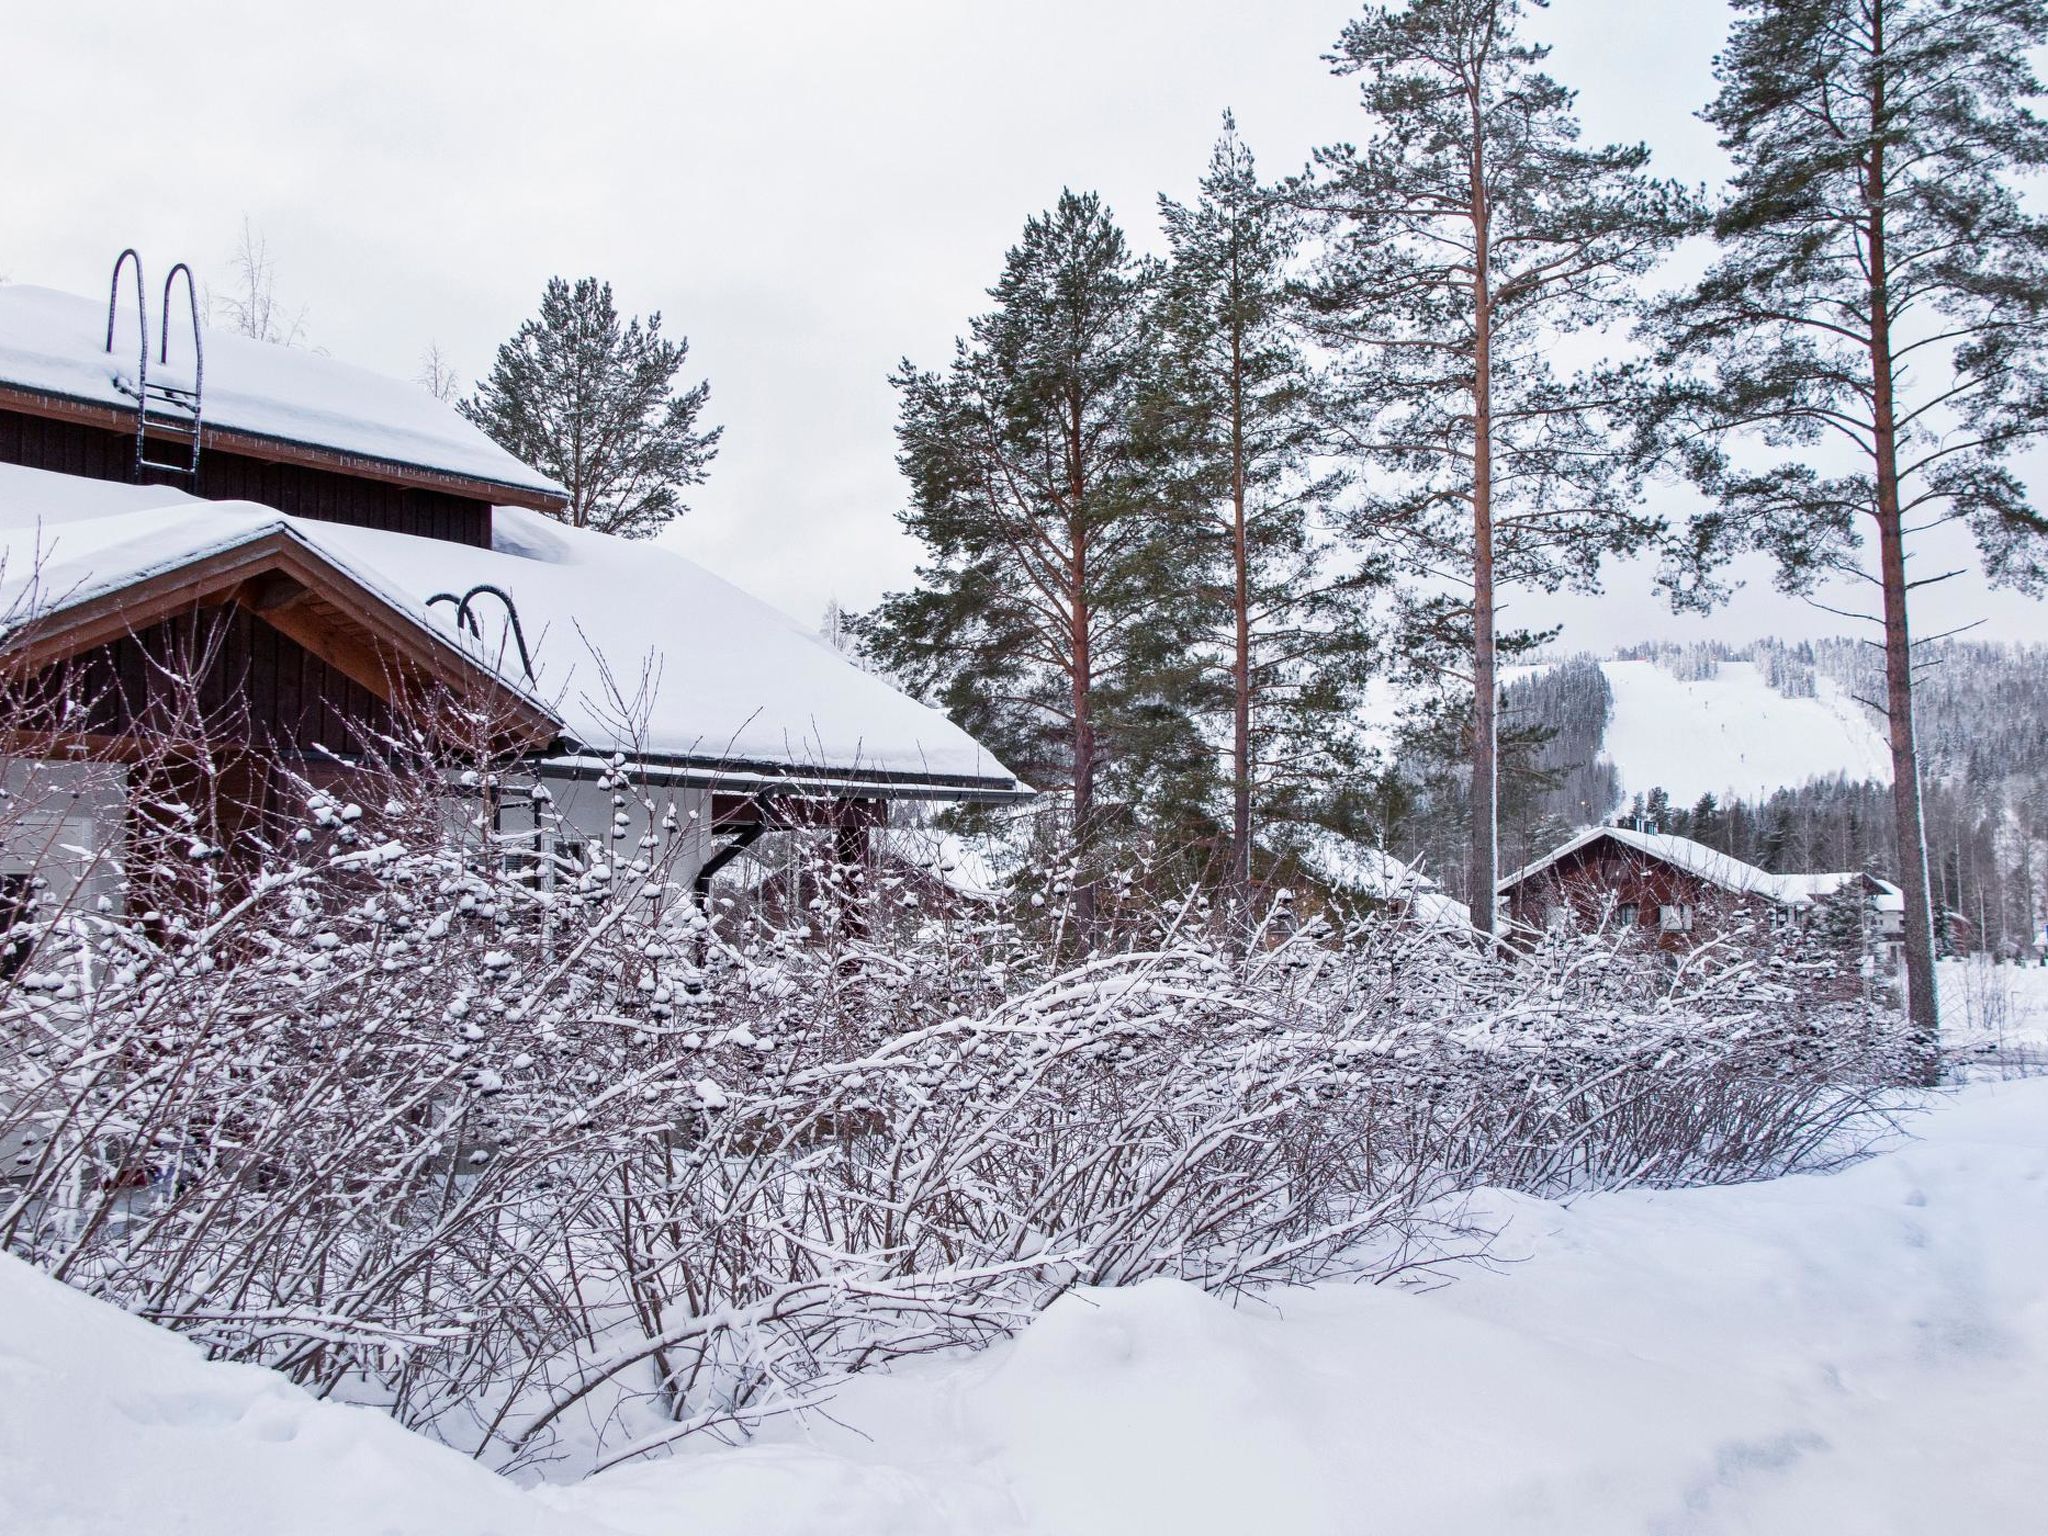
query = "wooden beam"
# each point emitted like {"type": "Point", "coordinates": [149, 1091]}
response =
{"type": "Point", "coordinates": [112, 615]}
{"type": "Point", "coordinates": [787, 810]}
{"type": "Point", "coordinates": [270, 593]}
{"type": "Point", "coordinates": [347, 649]}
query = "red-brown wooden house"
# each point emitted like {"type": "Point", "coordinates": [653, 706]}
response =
{"type": "Point", "coordinates": [344, 540]}
{"type": "Point", "coordinates": [1671, 890]}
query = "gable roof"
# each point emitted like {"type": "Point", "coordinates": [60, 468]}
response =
{"type": "Point", "coordinates": [1882, 893]}
{"type": "Point", "coordinates": [636, 649]}
{"type": "Point", "coordinates": [1696, 859]}
{"type": "Point", "coordinates": [263, 400]}
{"type": "Point", "coordinates": [56, 602]}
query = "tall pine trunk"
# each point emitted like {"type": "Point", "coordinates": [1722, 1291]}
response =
{"type": "Point", "coordinates": [1082, 681]}
{"type": "Point", "coordinates": [1922, 1001]}
{"type": "Point", "coordinates": [1485, 853]}
{"type": "Point", "coordinates": [1241, 668]}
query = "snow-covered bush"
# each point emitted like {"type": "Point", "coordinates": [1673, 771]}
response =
{"type": "Point", "coordinates": [552, 1164]}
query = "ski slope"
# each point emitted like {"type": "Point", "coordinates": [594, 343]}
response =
{"type": "Point", "coordinates": [1732, 734]}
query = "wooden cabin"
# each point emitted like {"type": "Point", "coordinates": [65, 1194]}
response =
{"type": "Point", "coordinates": [329, 545]}
{"type": "Point", "coordinates": [1671, 891]}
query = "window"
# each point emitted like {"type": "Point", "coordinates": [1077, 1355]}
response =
{"type": "Point", "coordinates": [1625, 915]}
{"type": "Point", "coordinates": [1674, 917]}
{"type": "Point", "coordinates": [17, 904]}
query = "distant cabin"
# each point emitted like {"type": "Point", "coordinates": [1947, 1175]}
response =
{"type": "Point", "coordinates": [345, 542]}
{"type": "Point", "coordinates": [1673, 892]}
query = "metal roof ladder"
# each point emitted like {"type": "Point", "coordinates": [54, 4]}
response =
{"type": "Point", "coordinates": [168, 409]}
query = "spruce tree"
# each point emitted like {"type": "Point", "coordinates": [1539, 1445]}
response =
{"type": "Point", "coordinates": [1049, 614]}
{"type": "Point", "coordinates": [1286, 608]}
{"type": "Point", "coordinates": [595, 404]}
{"type": "Point", "coordinates": [1865, 353]}
{"type": "Point", "coordinates": [1469, 231]}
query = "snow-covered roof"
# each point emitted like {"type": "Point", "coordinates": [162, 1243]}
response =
{"type": "Point", "coordinates": [54, 343]}
{"type": "Point", "coordinates": [1886, 898]}
{"type": "Point", "coordinates": [1708, 864]}
{"type": "Point", "coordinates": [1724, 870]}
{"type": "Point", "coordinates": [1357, 866]}
{"type": "Point", "coordinates": [1815, 886]}
{"type": "Point", "coordinates": [1433, 909]}
{"type": "Point", "coordinates": [636, 649]}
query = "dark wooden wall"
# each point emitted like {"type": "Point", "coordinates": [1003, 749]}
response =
{"type": "Point", "coordinates": [254, 684]}
{"type": "Point", "coordinates": [1583, 881]}
{"type": "Point", "coordinates": [74, 448]}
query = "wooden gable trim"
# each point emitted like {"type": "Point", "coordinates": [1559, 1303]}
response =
{"type": "Point", "coordinates": [311, 601]}
{"type": "Point", "coordinates": [32, 402]}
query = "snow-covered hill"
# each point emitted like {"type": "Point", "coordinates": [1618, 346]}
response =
{"type": "Point", "coordinates": [1731, 733]}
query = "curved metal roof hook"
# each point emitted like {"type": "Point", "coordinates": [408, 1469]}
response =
{"type": "Point", "coordinates": [465, 615]}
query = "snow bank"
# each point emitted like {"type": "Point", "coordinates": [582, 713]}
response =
{"type": "Point", "coordinates": [109, 1425]}
{"type": "Point", "coordinates": [1866, 1352]}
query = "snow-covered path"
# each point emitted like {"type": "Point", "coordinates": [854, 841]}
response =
{"type": "Point", "coordinates": [1866, 1353]}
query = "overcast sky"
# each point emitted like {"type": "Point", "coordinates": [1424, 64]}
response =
{"type": "Point", "coordinates": [809, 191]}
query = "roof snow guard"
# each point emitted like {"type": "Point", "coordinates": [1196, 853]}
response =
{"type": "Point", "coordinates": [262, 401]}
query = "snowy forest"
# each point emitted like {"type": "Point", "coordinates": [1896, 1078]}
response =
{"type": "Point", "coordinates": [1178, 513]}
{"type": "Point", "coordinates": [562, 1154]}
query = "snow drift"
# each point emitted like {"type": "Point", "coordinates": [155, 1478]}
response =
{"type": "Point", "coordinates": [1864, 1351]}
{"type": "Point", "coordinates": [108, 1424]}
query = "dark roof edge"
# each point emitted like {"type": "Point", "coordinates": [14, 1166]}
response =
{"type": "Point", "coordinates": [745, 777]}
{"type": "Point", "coordinates": [224, 439]}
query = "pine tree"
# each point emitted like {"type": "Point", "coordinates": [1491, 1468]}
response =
{"type": "Point", "coordinates": [1879, 291]}
{"type": "Point", "coordinates": [1469, 232]}
{"type": "Point", "coordinates": [1706, 821]}
{"type": "Point", "coordinates": [1050, 611]}
{"type": "Point", "coordinates": [1657, 813]}
{"type": "Point", "coordinates": [1289, 609]}
{"type": "Point", "coordinates": [595, 404]}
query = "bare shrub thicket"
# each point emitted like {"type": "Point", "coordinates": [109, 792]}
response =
{"type": "Point", "coordinates": [551, 1164]}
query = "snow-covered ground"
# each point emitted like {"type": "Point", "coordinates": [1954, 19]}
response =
{"type": "Point", "coordinates": [1732, 732]}
{"type": "Point", "coordinates": [1863, 1353]}
{"type": "Point", "coordinates": [110, 1425]}
{"type": "Point", "coordinates": [1994, 1008]}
